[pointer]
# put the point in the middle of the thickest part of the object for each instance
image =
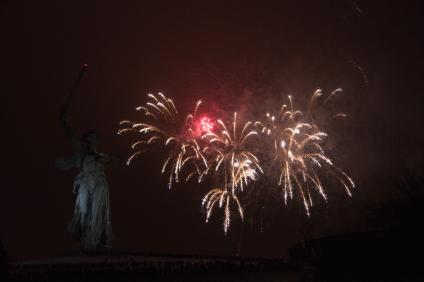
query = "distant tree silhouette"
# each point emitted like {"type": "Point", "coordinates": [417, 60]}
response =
{"type": "Point", "coordinates": [406, 210]}
{"type": "Point", "coordinates": [3, 263]}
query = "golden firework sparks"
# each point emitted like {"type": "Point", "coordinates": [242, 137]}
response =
{"type": "Point", "coordinates": [298, 148]}
{"type": "Point", "coordinates": [164, 126]}
{"type": "Point", "coordinates": [238, 164]}
{"type": "Point", "coordinates": [196, 143]}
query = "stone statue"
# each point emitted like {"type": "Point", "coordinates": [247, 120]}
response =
{"type": "Point", "coordinates": [91, 220]}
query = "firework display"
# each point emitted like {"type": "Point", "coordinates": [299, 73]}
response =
{"type": "Point", "coordinates": [238, 163]}
{"type": "Point", "coordinates": [164, 126]}
{"type": "Point", "coordinates": [298, 149]}
{"type": "Point", "coordinates": [225, 151]}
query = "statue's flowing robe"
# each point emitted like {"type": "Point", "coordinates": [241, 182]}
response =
{"type": "Point", "coordinates": [91, 221]}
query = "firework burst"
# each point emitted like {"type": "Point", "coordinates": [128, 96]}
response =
{"type": "Point", "coordinates": [239, 165]}
{"type": "Point", "coordinates": [298, 149]}
{"type": "Point", "coordinates": [198, 147]}
{"type": "Point", "coordinates": [164, 126]}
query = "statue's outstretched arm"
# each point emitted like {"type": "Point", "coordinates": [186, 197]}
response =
{"type": "Point", "coordinates": [75, 142]}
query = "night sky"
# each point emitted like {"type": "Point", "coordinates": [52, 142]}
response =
{"type": "Point", "coordinates": [234, 57]}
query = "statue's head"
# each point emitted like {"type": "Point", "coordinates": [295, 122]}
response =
{"type": "Point", "coordinates": [90, 139]}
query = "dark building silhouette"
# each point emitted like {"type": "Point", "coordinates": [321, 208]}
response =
{"type": "Point", "coordinates": [393, 255]}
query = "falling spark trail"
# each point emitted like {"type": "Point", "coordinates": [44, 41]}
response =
{"type": "Point", "coordinates": [361, 70]}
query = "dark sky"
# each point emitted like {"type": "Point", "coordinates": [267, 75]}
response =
{"type": "Point", "coordinates": [216, 52]}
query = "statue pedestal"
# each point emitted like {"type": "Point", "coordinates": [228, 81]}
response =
{"type": "Point", "coordinates": [114, 266]}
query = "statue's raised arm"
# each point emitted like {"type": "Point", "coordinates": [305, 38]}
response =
{"type": "Point", "coordinates": [74, 160]}
{"type": "Point", "coordinates": [64, 122]}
